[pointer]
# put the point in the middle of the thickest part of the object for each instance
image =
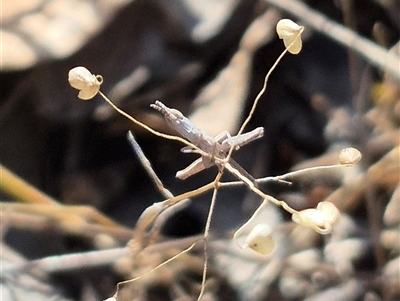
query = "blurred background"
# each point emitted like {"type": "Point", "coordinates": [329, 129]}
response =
{"type": "Point", "coordinates": [208, 59]}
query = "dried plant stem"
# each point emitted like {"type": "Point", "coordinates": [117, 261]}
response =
{"type": "Point", "coordinates": [303, 171]}
{"type": "Point", "coordinates": [258, 97]}
{"type": "Point", "coordinates": [42, 204]}
{"type": "Point", "coordinates": [155, 268]}
{"type": "Point", "coordinates": [76, 261]}
{"type": "Point", "coordinates": [223, 164]}
{"type": "Point", "coordinates": [375, 54]}
{"type": "Point", "coordinates": [189, 194]}
{"type": "Point", "coordinates": [282, 178]}
{"type": "Point", "coordinates": [69, 262]}
{"type": "Point", "coordinates": [206, 234]}
{"type": "Point", "coordinates": [31, 221]}
{"type": "Point", "coordinates": [146, 127]}
{"type": "Point", "coordinates": [74, 213]}
{"type": "Point", "coordinates": [150, 214]}
{"type": "Point", "coordinates": [147, 166]}
{"type": "Point", "coordinates": [160, 220]}
{"type": "Point", "coordinates": [253, 188]}
{"type": "Point", "coordinates": [262, 91]}
{"type": "Point", "coordinates": [16, 187]}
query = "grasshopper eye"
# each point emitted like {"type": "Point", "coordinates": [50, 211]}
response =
{"type": "Point", "coordinates": [176, 113]}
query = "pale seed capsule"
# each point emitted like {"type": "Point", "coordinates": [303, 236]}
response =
{"type": "Point", "coordinates": [87, 83]}
{"type": "Point", "coordinates": [349, 156]}
{"type": "Point", "coordinates": [290, 32]}
{"type": "Point", "coordinates": [260, 239]}
{"type": "Point", "coordinates": [320, 219]}
{"type": "Point", "coordinates": [310, 218]}
{"type": "Point", "coordinates": [329, 210]}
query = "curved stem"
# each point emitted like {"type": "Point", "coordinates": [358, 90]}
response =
{"type": "Point", "coordinates": [146, 127]}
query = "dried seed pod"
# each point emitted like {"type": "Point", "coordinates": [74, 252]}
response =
{"type": "Point", "coordinates": [311, 218]}
{"type": "Point", "coordinates": [349, 156]}
{"type": "Point", "coordinates": [87, 83]}
{"type": "Point", "coordinates": [260, 239]}
{"type": "Point", "coordinates": [290, 32]}
{"type": "Point", "coordinates": [329, 210]}
{"type": "Point", "coordinates": [320, 219]}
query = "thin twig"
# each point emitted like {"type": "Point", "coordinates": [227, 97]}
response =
{"type": "Point", "coordinates": [146, 127]}
{"type": "Point", "coordinates": [76, 261]}
{"type": "Point", "coordinates": [147, 166]}
{"type": "Point", "coordinates": [164, 216]}
{"type": "Point", "coordinates": [206, 234]}
{"type": "Point", "coordinates": [281, 178]}
{"type": "Point", "coordinates": [375, 54]}
{"type": "Point", "coordinates": [303, 171]}
{"type": "Point", "coordinates": [150, 214]}
{"type": "Point", "coordinates": [258, 97]}
{"type": "Point", "coordinates": [22, 190]}
{"type": "Point", "coordinates": [39, 218]}
{"type": "Point", "coordinates": [157, 267]}
{"type": "Point", "coordinates": [75, 213]}
{"type": "Point", "coordinates": [69, 262]}
{"type": "Point", "coordinates": [43, 204]}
